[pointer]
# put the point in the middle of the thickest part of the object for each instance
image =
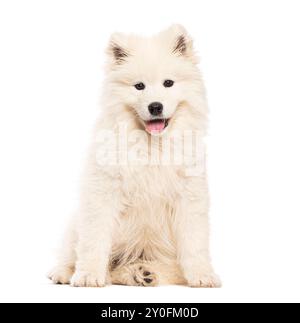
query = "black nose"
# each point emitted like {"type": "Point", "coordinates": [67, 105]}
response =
{"type": "Point", "coordinates": [155, 108]}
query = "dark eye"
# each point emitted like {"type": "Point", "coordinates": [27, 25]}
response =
{"type": "Point", "coordinates": [140, 86]}
{"type": "Point", "coordinates": [168, 83]}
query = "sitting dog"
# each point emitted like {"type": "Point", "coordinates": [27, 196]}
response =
{"type": "Point", "coordinates": [143, 215]}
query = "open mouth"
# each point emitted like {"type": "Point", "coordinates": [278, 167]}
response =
{"type": "Point", "coordinates": [156, 126]}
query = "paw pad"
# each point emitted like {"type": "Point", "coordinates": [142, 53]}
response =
{"type": "Point", "coordinates": [144, 277]}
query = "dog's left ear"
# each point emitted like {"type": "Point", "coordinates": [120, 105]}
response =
{"type": "Point", "coordinates": [182, 43]}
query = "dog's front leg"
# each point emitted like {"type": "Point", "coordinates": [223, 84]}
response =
{"type": "Point", "coordinates": [100, 202]}
{"type": "Point", "coordinates": [193, 236]}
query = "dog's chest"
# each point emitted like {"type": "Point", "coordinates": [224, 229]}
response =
{"type": "Point", "coordinates": [150, 198]}
{"type": "Point", "coordinates": [149, 183]}
{"type": "Point", "coordinates": [151, 195]}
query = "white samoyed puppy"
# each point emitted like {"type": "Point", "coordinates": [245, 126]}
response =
{"type": "Point", "coordinates": [143, 216]}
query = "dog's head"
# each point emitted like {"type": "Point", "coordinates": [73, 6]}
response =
{"type": "Point", "coordinates": [153, 77]}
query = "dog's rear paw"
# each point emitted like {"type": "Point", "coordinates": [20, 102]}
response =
{"type": "Point", "coordinates": [61, 274]}
{"type": "Point", "coordinates": [143, 276]}
{"type": "Point", "coordinates": [87, 279]}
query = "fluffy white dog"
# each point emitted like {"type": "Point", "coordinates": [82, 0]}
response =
{"type": "Point", "coordinates": [143, 217]}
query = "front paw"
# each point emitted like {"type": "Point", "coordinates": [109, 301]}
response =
{"type": "Point", "coordinates": [61, 274]}
{"type": "Point", "coordinates": [204, 280]}
{"type": "Point", "coordinates": [88, 279]}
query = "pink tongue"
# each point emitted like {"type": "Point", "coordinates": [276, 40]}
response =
{"type": "Point", "coordinates": [155, 126]}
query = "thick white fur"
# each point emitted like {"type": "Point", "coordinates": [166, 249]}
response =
{"type": "Point", "coordinates": [143, 221]}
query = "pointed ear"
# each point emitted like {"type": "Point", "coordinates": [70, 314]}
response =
{"type": "Point", "coordinates": [182, 42]}
{"type": "Point", "coordinates": [117, 49]}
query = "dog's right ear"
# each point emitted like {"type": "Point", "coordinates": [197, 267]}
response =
{"type": "Point", "coordinates": [117, 49]}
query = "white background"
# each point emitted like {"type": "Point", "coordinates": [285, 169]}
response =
{"type": "Point", "coordinates": [51, 58]}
